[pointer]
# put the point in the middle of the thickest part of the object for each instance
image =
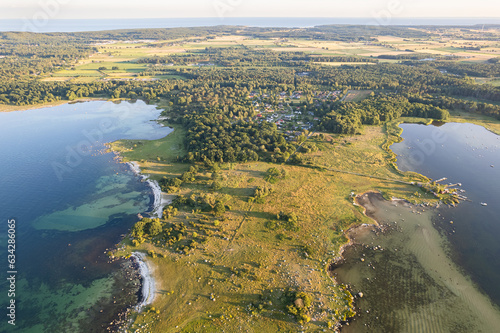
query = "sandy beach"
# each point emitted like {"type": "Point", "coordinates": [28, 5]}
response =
{"type": "Point", "coordinates": [161, 199]}
{"type": "Point", "coordinates": [148, 289]}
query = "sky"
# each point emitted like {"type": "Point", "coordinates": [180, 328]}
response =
{"type": "Point", "coordinates": [379, 9]}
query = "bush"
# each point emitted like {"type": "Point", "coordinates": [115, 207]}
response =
{"type": "Point", "coordinates": [296, 159]}
{"type": "Point", "coordinates": [190, 176]}
{"type": "Point", "coordinates": [138, 228]}
{"type": "Point", "coordinates": [216, 185]}
{"type": "Point", "coordinates": [272, 225]}
{"type": "Point", "coordinates": [309, 147]}
{"type": "Point", "coordinates": [308, 251]}
{"type": "Point", "coordinates": [273, 175]}
{"type": "Point", "coordinates": [154, 227]}
{"type": "Point", "coordinates": [170, 211]}
{"type": "Point", "coordinates": [289, 221]}
{"type": "Point", "coordinates": [219, 209]}
{"type": "Point", "coordinates": [299, 307]}
{"type": "Point", "coordinates": [261, 192]}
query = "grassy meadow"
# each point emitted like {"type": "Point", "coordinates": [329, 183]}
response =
{"type": "Point", "coordinates": [237, 276]}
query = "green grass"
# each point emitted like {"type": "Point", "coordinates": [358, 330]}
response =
{"type": "Point", "coordinates": [493, 81]}
{"type": "Point", "coordinates": [77, 73]}
{"type": "Point", "coordinates": [272, 258]}
{"type": "Point", "coordinates": [83, 79]}
{"type": "Point", "coordinates": [128, 67]}
{"type": "Point", "coordinates": [346, 63]}
{"type": "Point", "coordinates": [169, 77]}
{"type": "Point", "coordinates": [271, 264]}
{"type": "Point", "coordinates": [479, 100]}
{"type": "Point", "coordinates": [489, 123]}
{"type": "Point", "coordinates": [354, 51]}
{"type": "Point", "coordinates": [394, 61]}
{"type": "Point", "coordinates": [92, 69]}
{"type": "Point", "coordinates": [156, 157]}
{"type": "Point", "coordinates": [451, 49]}
{"type": "Point", "coordinates": [167, 148]}
{"type": "Point", "coordinates": [357, 95]}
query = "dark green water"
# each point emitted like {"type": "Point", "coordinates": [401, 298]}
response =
{"type": "Point", "coordinates": [71, 201]}
{"type": "Point", "coordinates": [439, 268]}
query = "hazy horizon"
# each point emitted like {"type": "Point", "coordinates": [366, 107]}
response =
{"type": "Point", "coordinates": [81, 25]}
{"type": "Point", "coordinates": [153, 9]}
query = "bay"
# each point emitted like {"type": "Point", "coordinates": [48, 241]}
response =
{"type": "Point", "coordinates": [71, 200]}
{"type": "Point", "coordinates": [428, 269]}
{"type": "Point", "coordinates": [470, 155]}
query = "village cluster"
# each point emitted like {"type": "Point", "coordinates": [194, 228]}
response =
{"type": "Point", "coordinates": [286, 111]}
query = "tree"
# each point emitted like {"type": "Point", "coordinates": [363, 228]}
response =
{"type": "Point", "coordinates": [71, 96]}
{"type": "Point", "coordinates": [138, 229]}
{"type": "Point", "coordinates": [219, 208]}
{"type": "Point", "coordinates": [296, 158]}
{"type": "Point", "coordinates": [155, 227]}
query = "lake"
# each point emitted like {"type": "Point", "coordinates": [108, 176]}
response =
{"type": "Point", "coordinates": [71, 201]}
{"type": "Point", "coordinates": [428, 269]}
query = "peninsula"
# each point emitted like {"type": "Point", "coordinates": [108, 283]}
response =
{"type": "Point", "coordinates": [276, 134]}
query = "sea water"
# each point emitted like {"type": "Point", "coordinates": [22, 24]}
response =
{"type": "Point", "coordinates": [428, 269]}
{"type": "Point", "coordinates": [75, 25]}
{"type": "Point", "coordinates": [71, 201]}
{"type": "Point", "coordinates": [470, 155]}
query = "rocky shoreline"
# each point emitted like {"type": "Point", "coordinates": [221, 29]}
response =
{"type": "Point", "coordinates": [111, 315]}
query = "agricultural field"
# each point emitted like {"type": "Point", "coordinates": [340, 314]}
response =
{"type": "Point", "coordinates": [494, 81]}
{"type": "Point", "coordinates": [340, 63]}
{"type": "Point", "coordinates": [125, 55]}
{"type": "Point", "coordinates": [356, 95]}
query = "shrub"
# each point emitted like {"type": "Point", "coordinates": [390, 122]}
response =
{"type": "Point", "coordinates": [261, 192]}
{"type": "Point", "coordinates": [219, 209]}
{"type": "Point", "coordinates": [273, 175]}
{"type": "Point", "coordinates": [300, 305]}
{"type": "Point", "coordinates": [154, 227]}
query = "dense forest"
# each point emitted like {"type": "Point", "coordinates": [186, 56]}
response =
{"type": "Point", "coordinates": [348, 117]}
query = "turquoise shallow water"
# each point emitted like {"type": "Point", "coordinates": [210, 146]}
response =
{"type": "Point", "coordinates": [71, 201]}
